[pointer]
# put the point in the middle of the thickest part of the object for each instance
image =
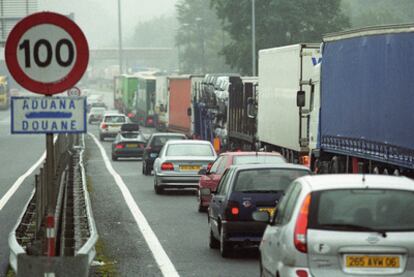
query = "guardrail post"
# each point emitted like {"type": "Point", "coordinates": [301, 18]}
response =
{"type": "Point", "coordinates": [39, 214]}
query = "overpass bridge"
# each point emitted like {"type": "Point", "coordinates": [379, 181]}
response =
{"type": "Point", "coordinates": [163, 58]}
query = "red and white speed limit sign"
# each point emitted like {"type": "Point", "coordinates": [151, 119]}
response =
{"type": "Point", "coordinates": [46, 53]}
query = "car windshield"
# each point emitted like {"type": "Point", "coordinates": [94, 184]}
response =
{"type": "Point", "coordinates": [189, 150]}
{"type": "Point", "coordinates": [115, 119]}
{"type": "Point", "coordinates": [378, 209]}
{"type": "Point", "coordinates": [266, 159]}
{"type": "Point", "coordinates": [266, 179]}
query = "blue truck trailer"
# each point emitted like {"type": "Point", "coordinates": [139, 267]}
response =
{"type": "Point", "coordinates": [366, 102]}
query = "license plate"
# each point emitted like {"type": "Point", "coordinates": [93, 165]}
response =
{"type": "Point", "coordinates": [190, 167]}
{"type": "Point", "coordinates": [132, 145]}
{"type": "Point", "coordinates": [271, 211]}
{"type": "Point", "coordinates": [373, 261]}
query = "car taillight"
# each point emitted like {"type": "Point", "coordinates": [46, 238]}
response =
{"type": "Point", "coordinates": [119, 146]}
{"type": "Point", "coordinates": [301, 227]}
{"type": "Point", "coordinates": [104, 126]}
{"type": "Point", "coordinates": [302, 273]}
{"type": "Point", "coordinates": [305, 160]}
{"type": "Point", "coordinates": [167, 166]}
{"type": "Point", "coordinates": [232, 210]}
{"type": "Point", "coordinates": [209, 166]}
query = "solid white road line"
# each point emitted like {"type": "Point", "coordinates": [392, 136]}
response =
{"type": "Point", "coordinates": [166, 266]}
{"type": "Point", "coordinates": [19, 181]}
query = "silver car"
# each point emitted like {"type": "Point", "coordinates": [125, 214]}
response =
{"type": "Point", "coordinates": [179, 162]}
{"type": "Point", "coordinates": [341, 225]}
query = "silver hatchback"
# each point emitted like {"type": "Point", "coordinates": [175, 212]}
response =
{"type": "Point", "coordinates": [341, 225]}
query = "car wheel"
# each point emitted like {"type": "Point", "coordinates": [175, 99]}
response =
{"type": "Point", "coordinates": [212, 241]}
{"type": "Point", "coordinates": [225, 246]}
{"type": "Point", "coordinates": [201, 209]}
{"type": "Point", "coordinates": [143, 168]}
{"type": "Point", "coordinates": [157, 188]}
{"type": "Point", "coordinates": [261, 269]}
{"type": "Point", "coordinates": [101, 138]}
{"type": "Point", "coordinates": [114, 158]}
{"type": "Point", "coordinates": [147, 169]}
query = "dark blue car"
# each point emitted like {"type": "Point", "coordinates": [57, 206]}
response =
{"type": "Point", "coordinates": [244, 189]}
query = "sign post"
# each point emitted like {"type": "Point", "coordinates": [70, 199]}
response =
{"type": "Point", "coordinates": [47, 53]}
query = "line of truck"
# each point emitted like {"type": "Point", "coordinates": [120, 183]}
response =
{"type": "Point", "coordinates": [341, 106]}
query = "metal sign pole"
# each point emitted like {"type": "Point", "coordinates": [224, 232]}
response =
{"type": "Point", "coordinates": [51, 196]}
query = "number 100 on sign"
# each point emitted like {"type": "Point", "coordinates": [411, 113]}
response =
{"type": "Point", "coordinates": [47, 59]}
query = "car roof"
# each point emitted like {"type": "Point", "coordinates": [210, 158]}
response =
{"type": "Point", "coordinates": [335, 181]}
{"type": "Point", "coordinates": [167, 134]}
{"type": "Point", "coordinates": [187, 141]}
{"type": "Point", "coordinates": [250, 153]}
{"type": "Point", "coordinates": [98, 109]}
{"type": "Point", "coordinates": [264, 166]}
{"type": "Point", "coordinates": [113, 114]}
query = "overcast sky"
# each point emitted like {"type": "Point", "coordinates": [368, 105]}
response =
{"type": "Point", "coordinates": [99, 18]}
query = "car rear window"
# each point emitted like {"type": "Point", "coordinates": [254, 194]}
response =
{"type": "Point", "coordinates": [98, 110]}
{"type": "Point", "coordinates": [159, 141]}
{"type": "Point", "coordinates": [266, 159]}
{"type": "Point", "coordinates": [264, 179]}
{"type": "Point", "coordinates": [131, 135]}
{"type": "Point", "coordinates": [189, 150]}
{"type": "Point", "coordinates": [348, 209]}
{"type": "Point", "coordinates": [114, 119]}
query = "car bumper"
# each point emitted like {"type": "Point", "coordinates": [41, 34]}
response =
{"type": "Point", "coordinates": [178, 181]}
{"type": "Point", "coordinates": [108, 133]}
{"type": "Point", "coordinates": [128, 153]}
{"type": "Point", "coordinates": [243, 231]}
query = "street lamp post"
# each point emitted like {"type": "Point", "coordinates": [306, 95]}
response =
{"type": "Point", "coordinates": [199, 21]}
{"type": "Point", "coordinates": [121, 69]}
{"type": "Point", "coordinates": [253, 39]}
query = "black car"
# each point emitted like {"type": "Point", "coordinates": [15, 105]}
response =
{"type": "Point", "coordinates": [153, 148]}
{"type": "Point", "coordinates": [129, 142]}
{"type": "Point", "coordinates": [244, 189]}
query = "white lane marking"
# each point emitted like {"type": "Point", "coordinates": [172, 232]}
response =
{"type": "Point", "coordinates": [19, 181]}
{"type": "Point", "coordinates": [166, 266]}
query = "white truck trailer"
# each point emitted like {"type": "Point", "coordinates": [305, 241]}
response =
{"type": "Point", "coordinates": [283, 72]}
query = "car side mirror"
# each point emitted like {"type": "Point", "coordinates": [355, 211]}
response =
{"type": "Point", "coordinates": [205, 192]}
{"type": "Point", "coordinates": [300, 99]}
{"type": "Point", "coordinates": [202, 171]}
{"type": "Point", "coordinates": [261, 216]}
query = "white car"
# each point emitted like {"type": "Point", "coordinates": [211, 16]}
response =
{"type": "Point", "coordinates": [342, 226]}
{"type": "Point", "coordinates": [111, 125]}
{"type": "Point", "coordinates": [96, 114]}
{"type": "Point", "coordinates": [179, 163]}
